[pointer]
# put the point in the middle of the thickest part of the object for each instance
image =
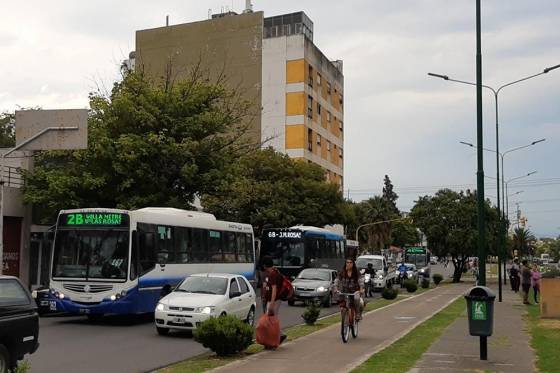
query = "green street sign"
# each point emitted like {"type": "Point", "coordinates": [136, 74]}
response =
{"type": "Point", "coordinates": [478, 311]}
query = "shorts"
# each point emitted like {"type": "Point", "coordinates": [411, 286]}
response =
{"type": "Point", "coordinates": [526, 287]}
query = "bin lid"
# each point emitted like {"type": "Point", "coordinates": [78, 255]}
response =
{"type": "Point", "coordinates": [480, 293]}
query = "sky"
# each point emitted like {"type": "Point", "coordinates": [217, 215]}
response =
{"type": "Point", "coordinates": [398, 120]}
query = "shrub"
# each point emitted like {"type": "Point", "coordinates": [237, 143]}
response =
{"type": "Point", "coordinates": [225, 335]}
{"type": "Point", "coordinates": [411, 286]}
{"type": "Point", "coordinates": [425, 283]}
{"type": "Point", "coordinates": [437, 278]}
{"type": "Point", "coordinates": [390, 293]}
{"type": "Point", "coordinates": [551, 273]}
{"type": "Point", "coordinates": [311, 313]}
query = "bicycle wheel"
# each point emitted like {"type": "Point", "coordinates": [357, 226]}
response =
{"type": "Point", "coordinates": [354, 327]}
{"type": "Point", "coordinates": [344, 326]}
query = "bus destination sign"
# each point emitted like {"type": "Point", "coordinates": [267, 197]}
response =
{"type": "Point", "coordinates": [284, 234]}
{"type": "Point", "coordinates": [94, 219]}
{"type": "Point", "coordinates": [415, 250]}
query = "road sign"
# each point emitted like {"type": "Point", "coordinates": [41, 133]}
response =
{"type": "Point", "coordinates": [415, 250]}
{"type": "Point", "coordinates": [29, 123]}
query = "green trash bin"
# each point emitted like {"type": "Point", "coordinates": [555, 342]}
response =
{"type": "Point", "coordinates": [480, 309]}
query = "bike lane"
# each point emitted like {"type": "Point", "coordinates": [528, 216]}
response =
{"type": "Point", "coordinates": [324, 351]}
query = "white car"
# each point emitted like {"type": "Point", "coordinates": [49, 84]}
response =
{"type": "Point", "coordinates": [202, 296]}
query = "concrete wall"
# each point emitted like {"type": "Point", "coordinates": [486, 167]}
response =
{"type": "Point", "coordinates": [231, 44]}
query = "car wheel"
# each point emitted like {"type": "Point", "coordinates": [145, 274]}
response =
{"type": "Point", "coordinates": [291, 302]}
{"type": "Point", "coordinates": [5, 362]}
{"type": "Point", "coordinates": [162, 331]}
{"type": "Point", "coordinates": [327, 303]}
{"type": "Point", "coordinates": [251, 317]}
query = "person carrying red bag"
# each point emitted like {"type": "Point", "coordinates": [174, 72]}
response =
{"type": "Point", "coordinates": [272, 287]}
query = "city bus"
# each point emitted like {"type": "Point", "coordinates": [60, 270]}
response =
{"type": "Point", "coordinates": [420, 257]}
{"type": "Point", "coordinates": [293, 249]}
{"type": "Point", "coordinates": [110, 261]}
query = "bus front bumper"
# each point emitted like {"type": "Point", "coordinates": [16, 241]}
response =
{"type": "Point", "coordinates": [118, 306]}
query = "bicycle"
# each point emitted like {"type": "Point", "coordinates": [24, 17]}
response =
{"type": "Point", "coordinates": [348, 319]}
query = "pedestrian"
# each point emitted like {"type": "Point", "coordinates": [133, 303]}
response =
{"type": "Point", "coordinates": [514, 275]}
{"type": "Point", "coordinates": [272, 285]}
{"type": "Point", "coordinates": [525, 280]}
{"type": "Point", "coordinates": [536, 282]}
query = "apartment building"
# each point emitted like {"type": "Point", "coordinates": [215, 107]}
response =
{"type": "Point", "coordinates": [298, 93]}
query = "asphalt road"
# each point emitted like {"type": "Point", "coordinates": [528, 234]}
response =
{"type": "Point", "coordinates": [121, 344]}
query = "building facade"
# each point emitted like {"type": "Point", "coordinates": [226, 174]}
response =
{"type": "Point", "coordinates": [297, 92]}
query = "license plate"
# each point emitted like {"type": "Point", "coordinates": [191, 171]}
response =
{"type": "Point", "coordinates": [179, 320]}
{"type": "Point", "coordinates": [84, 310]}
{"type": "Point", "coordinates": [52, 305]}
{"type": "Point", "coordinates": [44, 303]}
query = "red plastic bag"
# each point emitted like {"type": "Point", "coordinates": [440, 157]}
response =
{"type": "Point", "coordinates": [268, 331]}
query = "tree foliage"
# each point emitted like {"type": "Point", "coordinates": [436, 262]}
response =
{"type": "Point", "coordinates": [522, 240]}
{"type": "Point", "coordinates": [269, 188]}
{"type": "Point", "coordinates": [149, 144]}
{"type": "Point", "coordinates": [389, 194]}
{"type": "Point", "coordinates": [7, 130]}
{"type": "Point", "coordinates": [449, 221]}
{"type": "Point", "coordinates": [404, 233]}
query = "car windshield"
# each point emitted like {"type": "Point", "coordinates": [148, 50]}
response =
{"type": "Point", "coordinates": [203, 285]}
{"type": "Point", "coordinates": [313, 274]}
{"type": "Point", "coordinates": [363, 263]}
{"type": "Point", "coordinates": [411, 267]}
{"type": "Point", "coordinates": [91, 254]}
{"type": "Point", "coordinates": [12, 294]}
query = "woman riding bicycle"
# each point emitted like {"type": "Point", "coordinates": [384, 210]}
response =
{"type": "Point", "coordinates": [350, 281]}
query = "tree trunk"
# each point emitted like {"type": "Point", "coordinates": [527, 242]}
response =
{"type": "Point", "coordinates": [459, 264]}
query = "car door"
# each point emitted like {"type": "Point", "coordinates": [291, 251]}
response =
{"type": "Point", "coordinates": [235, 302]}
{"type": "Point", "coordinates": [247, 298]}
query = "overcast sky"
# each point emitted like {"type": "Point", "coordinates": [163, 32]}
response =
{"type": "Point", "coordinates": [398, 121]}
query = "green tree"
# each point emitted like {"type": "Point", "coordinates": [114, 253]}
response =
{"type": "Point", "coordinates": [522, 240]}
{"type": "Point", "coordinates": [404, 233]}
{"type": "Point", "coordinates": [449, 221]}
{"type": "Point", "coordinates": [389, 194]}
{"type": "Point", "coordinates": [7, 130]}
{"type": "Point", "coordinates": [376, 210]}
{"type": "Point", "coordinates": [149, 144]}
{"type": "Point", "coordinates": [266, 188]}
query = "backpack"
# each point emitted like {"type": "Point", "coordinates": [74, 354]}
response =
{"type": "Point", "coordinates": [287, 290]}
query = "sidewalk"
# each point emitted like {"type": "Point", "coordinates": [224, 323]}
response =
{"type": "Point", "coordinates": [324, 351]}
{"type": "Point", "coordinates": [508, 348]}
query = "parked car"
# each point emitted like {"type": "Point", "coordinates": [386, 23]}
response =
{"type": "Point", "coordinates": [19, 323]}
{"type": "Point", "coordinates": [202, 296]}
{"type": "Point", "coordinates": [314, 284]}
{"type": "Point", "coordinates": [384, 275]}
{"type": "Point", "coordinates": [434, 259]}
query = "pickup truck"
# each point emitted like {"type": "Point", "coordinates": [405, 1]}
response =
{"type": "Point", "coordinates": [19, 323]}
{"type": "Point", "coordinates": [384, 274]}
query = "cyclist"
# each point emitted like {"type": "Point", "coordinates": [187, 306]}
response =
{"type": "Point", "coordinates": [350, 281]}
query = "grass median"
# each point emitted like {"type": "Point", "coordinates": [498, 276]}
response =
{"type": "Point", "coordinates": [207, 361]}
{"type": "Point", "coordinates": [545, 339]}
{"type": "Point", "coordinates": [401, 356]}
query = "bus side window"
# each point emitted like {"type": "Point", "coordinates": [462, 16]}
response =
{"type": "Point", "coordinates": [322, 249]}
{"type": "Point", "coordinates": [241, 248]}
{"type": "Point", "coordinates": [229, 247]}
{"type": "Point", "coordinates": [165, 252]}
{"type": "Point", "coordinates": [215, 246]}
{"type": "Point", "coordinates": [249, 247]}
{"type": "Point", "coordinates": [134, 256]}
{"type": "Point", "coordinates": [200, 250]}
{"type": "Point", "coordinates": [183, 245]}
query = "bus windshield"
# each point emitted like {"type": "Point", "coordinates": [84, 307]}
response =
{"type": "Point", "coordinates": [285, 253]}
{"type": "Point", "coordinates": [91, 254]}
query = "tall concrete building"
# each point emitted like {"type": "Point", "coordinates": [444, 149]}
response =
{"type": "Point", "coordinates": [298, 93]}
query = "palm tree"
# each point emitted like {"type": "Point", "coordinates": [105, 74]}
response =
{"type": "Point", "coordinates": [522, 239]}
{"type": "Point", "coordinates": [377, 209]}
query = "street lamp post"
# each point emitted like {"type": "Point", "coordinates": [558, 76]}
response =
{"type": "Point", "coordinates": [375, 223]}
{"type": "Point", "coordinates": [506, 190]}
{"type": "Point", "coordinates": [496, 93]}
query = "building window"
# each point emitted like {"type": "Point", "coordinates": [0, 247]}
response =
{"type": "Point", "coordinates": [310, 79]}
{"type": "Point", "coordinates": [328, 116]}
{"type": "Point", "coordinates": [340, 152]}
{"type": "Point", "coordinates": [328, 88]}
{"type": "Point", "coordinates": [318, 79]}
{"type": "Point", "coordinates": [328, 146]}
{"type": "Point", "coordinates": [318, 109]}
{"type": "Point", "coordinates": [340, 99]}
{"type": "Point", "coordinates": [318, 140]}
{"type": "Point", "coordinates": [340, 126]}
{"type": "Point", "coordinates": [309, 140]}
{"type": "Point", "coordinates": [310, 106]}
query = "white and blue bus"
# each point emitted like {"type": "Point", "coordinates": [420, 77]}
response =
{"type": "Point", "coordinates": [109, 261]}
{"type": "Point", "coordinates": [293, 249]}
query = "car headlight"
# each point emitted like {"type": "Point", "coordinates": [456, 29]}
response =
{"type": "Point", "coordinates": [422, 270]}
{"type": "Point", "coordinates": [160, 307]}
{"type": "Point", "coordinates": [397, 272]}
{"type": "Point", "coordinates": [321, 289]}
{"type": "Point", "coordinates": [380, 277]}
{"type": "Point", "coordinates": [205, 310]}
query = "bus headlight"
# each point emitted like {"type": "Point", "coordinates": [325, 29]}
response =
{"type": "Point", "coordinates": [113, 297]}
{"type": "Point", "coordinates": [34, 294]}
{"type": "Point", "coordinates": [60, 296]}
{"type": "Point", "coordinates": [123, 293]}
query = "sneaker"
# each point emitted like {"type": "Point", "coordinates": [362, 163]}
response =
{"type": "Point", "coordinates": [283, 338]}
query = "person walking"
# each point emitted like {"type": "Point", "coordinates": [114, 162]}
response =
{"type": "Point", "coordinates": [536, 282]}
{"type": "Point", "coordinates": [514, 275]}
{"type": "Point", "coordinates": [272, 286]}
{"type": "Point", "coordinates": [526, 280]}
